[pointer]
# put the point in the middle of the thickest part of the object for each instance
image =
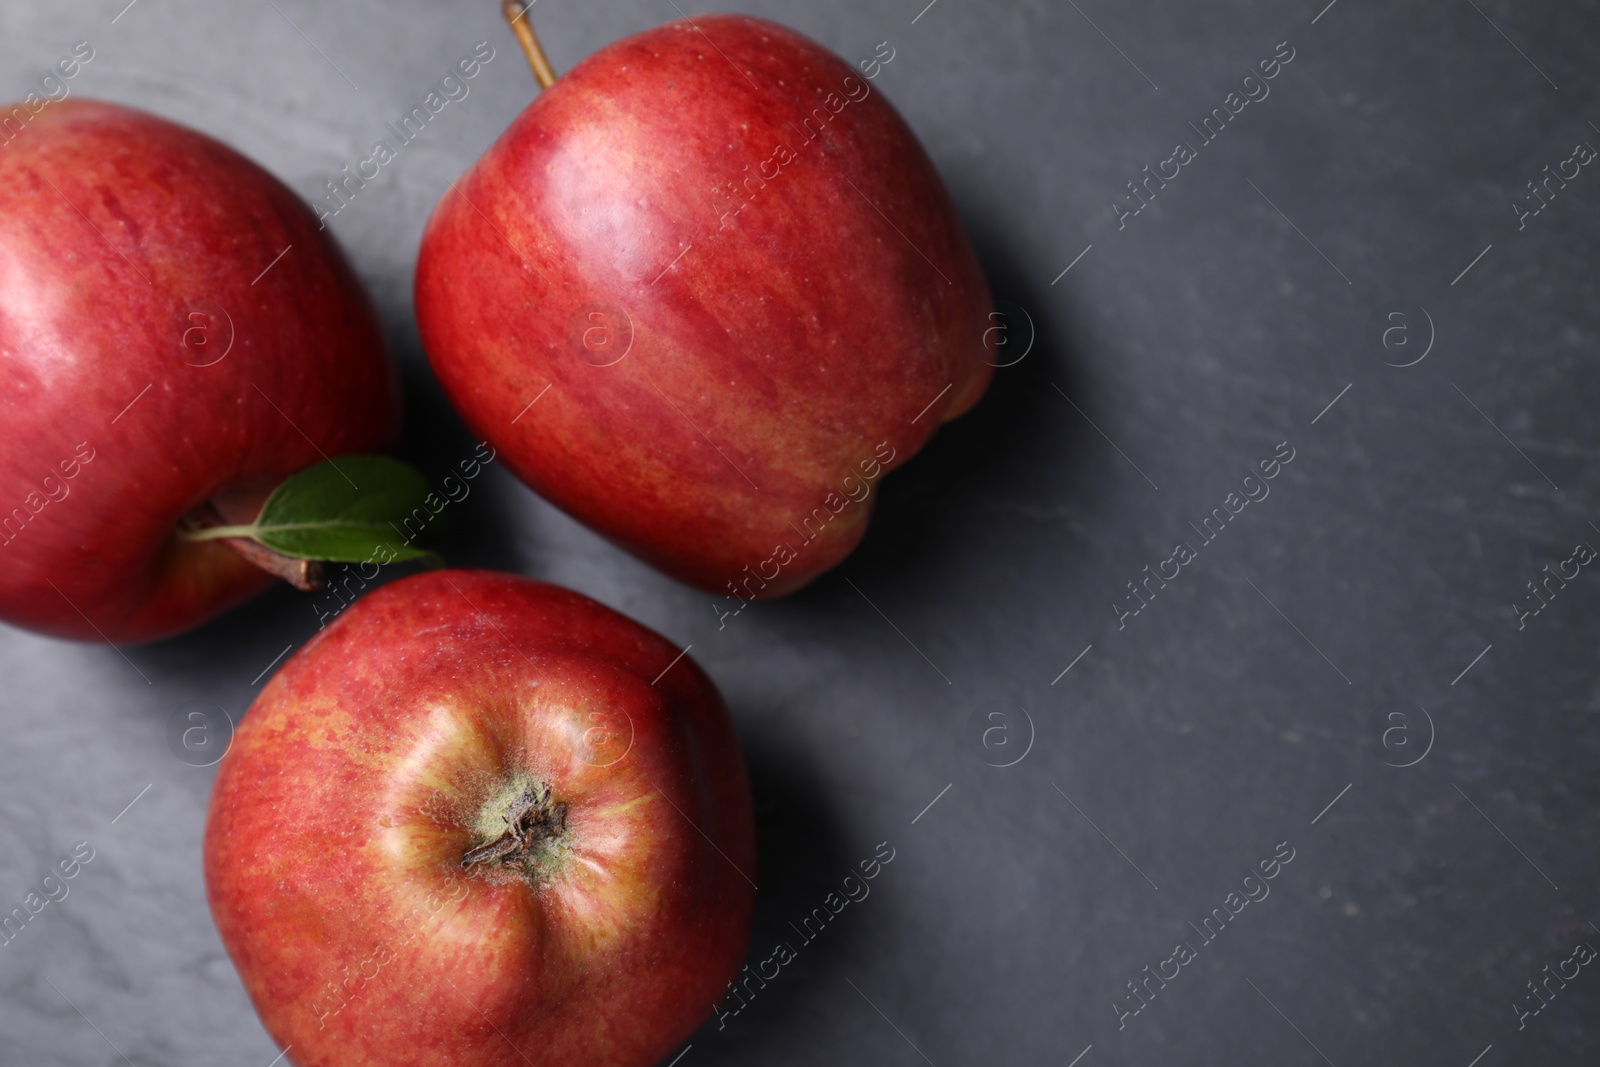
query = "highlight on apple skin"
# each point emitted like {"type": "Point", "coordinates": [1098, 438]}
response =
{"type": "Point", "coordinates": [478, 816]}
{"type": "Point", "coordinates": [729, 282]}
{"type": "Point", "coordinates": [175, 334]}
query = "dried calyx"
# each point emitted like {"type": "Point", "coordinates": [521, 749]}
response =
{"type": "Point", "coordinates": [531, 819]}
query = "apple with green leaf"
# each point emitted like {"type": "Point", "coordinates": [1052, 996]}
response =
{"type": "Point", "coordinates": [177, 338]}
{"type": "Point", "coordinates": [702, 293]}
{"type": "Point", "coordinates": [481, 821]}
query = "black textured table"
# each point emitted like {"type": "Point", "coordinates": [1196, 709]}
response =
{"type": "Point", "coordinates": [1178, 762]}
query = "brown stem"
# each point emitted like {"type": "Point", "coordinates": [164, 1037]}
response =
{"type": "Point", "coordinates": [304, 574]}
{"type": "Point", "coordinates": [516, 12]}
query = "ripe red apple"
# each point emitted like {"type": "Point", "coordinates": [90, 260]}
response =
{"type": "Point", "coordinates": [740, 279]}
{"type": "Point", "coordinates": [157, 354]}
{"type": "Point", "coordinates": [480, 820]}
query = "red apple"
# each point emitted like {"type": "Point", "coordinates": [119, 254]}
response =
{"type": "Point", "coordinates": [738, 275]}
{"type": "Point", "coordinates": [156, 354]}
{"type": "Point", "coordinates": [480, 820]}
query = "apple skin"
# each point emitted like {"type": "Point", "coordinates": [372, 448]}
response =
{"type": "Point", "coordinates": [352, 790]}
{"type": "Point", "coordinates": [797, 341]}
{"type": "Point", "coordinates": [89, 320]}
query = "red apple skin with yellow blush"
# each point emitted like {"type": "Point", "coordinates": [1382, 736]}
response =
{"type": "Point", "coordinates": [745, 226]}
{"type": "Point", "coordinates": [150, 363]}
{"type": "Point", "coordinates": [393, 745]}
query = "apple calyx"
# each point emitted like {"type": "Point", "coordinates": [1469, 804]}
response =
{"type": "Point", "coordinates": [516, 12]}
{"type": "Point", "coordinates": [533, 822]}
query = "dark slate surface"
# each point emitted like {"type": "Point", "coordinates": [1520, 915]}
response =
{"type": "Point", "coordinates": [1358, 618]}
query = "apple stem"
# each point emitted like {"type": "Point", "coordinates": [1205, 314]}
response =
{"type": "Point", "coordinates": [516, 12]}
{"type": "Point", "coordinates": [304, 574]}
{"type": "Point", "coordinates": [214, 533]}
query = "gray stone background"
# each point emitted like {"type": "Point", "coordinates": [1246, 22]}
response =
{"type": "Point", "coordinates": [1358, 619]}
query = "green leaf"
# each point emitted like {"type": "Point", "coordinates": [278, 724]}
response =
{"type": "Point", "coordinates": [346, 510]}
